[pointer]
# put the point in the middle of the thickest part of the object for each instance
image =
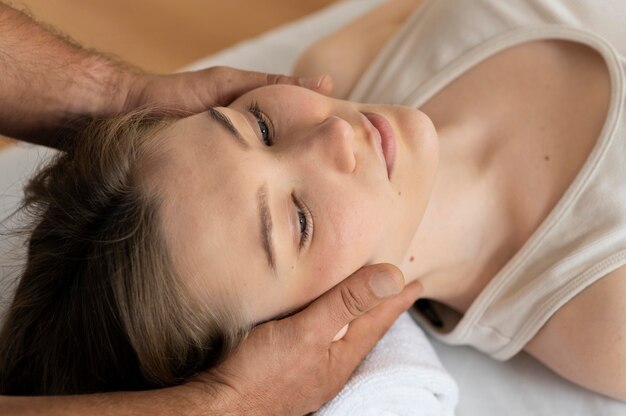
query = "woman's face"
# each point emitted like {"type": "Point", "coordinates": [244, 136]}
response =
{"type": "Point", "coordinates": [291, 198]}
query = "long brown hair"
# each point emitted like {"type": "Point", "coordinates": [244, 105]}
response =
{"type": "Point", "coordinates": [99, 306]}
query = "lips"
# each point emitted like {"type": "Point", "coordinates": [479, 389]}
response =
{"type": "Point", "coordinates": [387, 139]}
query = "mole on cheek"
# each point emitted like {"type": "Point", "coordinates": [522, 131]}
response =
{"type": "Point", "coordinates": [399, 193]}
{"type": "Point", "coordinates": [411, 258]}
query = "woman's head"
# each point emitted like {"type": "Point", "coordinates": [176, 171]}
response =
{"type": "Point", "coordinates": [99, 306]}
{"type": "Point", "coordinates": [312, 167]}
{"type": "Point", "coordinates": [148, 262]}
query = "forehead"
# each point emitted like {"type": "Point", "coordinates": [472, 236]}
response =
{"type": "Point", "coordinates": [208, 212]}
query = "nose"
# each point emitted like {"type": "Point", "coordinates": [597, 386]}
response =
{"type": "Point", "coordinates": [334, 138]}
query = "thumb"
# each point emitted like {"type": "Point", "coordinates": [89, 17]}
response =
{"type": "Point", "coordinates": [230, 83]}
{"type": "Point", "coordinates": [351, 298]}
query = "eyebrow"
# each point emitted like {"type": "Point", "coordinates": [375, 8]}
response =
{"type": "Point", "coordinates": [266, 226]}
{"type": "Point", "coordinates": [263, 206]}
{"type": "Point", "coordinates": [228, 125]}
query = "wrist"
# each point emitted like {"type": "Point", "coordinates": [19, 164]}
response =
{"type": "Point", "coordinates": [209, 398]}
{"type": "Point", "coordinates": [50, 86]}
{"type": "Point", "coordinates": [103, 86]}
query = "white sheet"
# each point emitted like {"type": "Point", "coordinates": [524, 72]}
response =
{"type": "Point", "coordinates": [519, 387]}
{"type": "Point", "coordinates": [401, 376]}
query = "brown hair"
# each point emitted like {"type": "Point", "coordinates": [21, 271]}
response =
{"type": "Point", "coordinates": [99, 306]}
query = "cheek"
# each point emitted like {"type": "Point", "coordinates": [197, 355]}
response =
{"type": "Point", "coordinates": [347, 242]}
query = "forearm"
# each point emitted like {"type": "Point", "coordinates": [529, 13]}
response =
{"type": "Point", "coordinates": [169, 401]}
{"type": "Point", "coordinates": [50, 85]}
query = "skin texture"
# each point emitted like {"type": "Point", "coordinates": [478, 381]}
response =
{"type": "Point", "coordinates": [322, 155]}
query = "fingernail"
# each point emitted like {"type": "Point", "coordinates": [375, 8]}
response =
{"type": "Point", "coordinates": [384, 285]}
{"type": "Point", "coordinates": [312, 83]}
{"type": "Point", "coordinates": [341, 333]}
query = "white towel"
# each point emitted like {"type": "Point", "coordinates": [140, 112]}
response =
{"type": "Point", "coordinates": [401, 376]}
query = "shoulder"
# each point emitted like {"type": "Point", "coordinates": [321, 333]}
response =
{"type": "Point", "coordinates": [585, 341]}
{"type": "Point", "coordinates": [346, 53]}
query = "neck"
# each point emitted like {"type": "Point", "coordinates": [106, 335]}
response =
{"type": "Point", "coordinates": [450, 250]}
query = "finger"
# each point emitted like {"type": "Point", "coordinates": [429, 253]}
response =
{"type": "Point", "coordinates": [230, 83]}
{"type": "Point", "coordinates": [322, 84]}
{"type": "Point", "coordinates": [350, 299]}
{"type": "Point", "coordinates": [366, 331]}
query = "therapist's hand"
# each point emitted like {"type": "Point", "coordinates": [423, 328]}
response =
{"type": "Point", "coordinates": [217, 86]}
{"type": "Point", "coordinates": [50, 88]}
{"type": "Point", "coordinates": [293, 366]}
{"type": "Point", "coordinates": [286, 367]}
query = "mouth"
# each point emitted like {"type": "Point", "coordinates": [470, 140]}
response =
{"type": "Point", "coordinates": [385, 139]}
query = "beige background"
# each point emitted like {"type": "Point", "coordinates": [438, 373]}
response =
{"type": "Point", "coordinates": [163, 35]}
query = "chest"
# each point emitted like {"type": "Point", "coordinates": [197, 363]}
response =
{"type": "Point", "coordinates": [545, 103]}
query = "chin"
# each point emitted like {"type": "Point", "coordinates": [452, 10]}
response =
{"type": "Point", "coordinates": [417, 131]}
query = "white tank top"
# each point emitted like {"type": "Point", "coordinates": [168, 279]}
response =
{"type": "Point", "coordinates": [584, 236]}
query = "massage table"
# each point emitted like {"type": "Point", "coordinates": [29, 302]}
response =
{"type": "Point", "coordinates": [518, 387]}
